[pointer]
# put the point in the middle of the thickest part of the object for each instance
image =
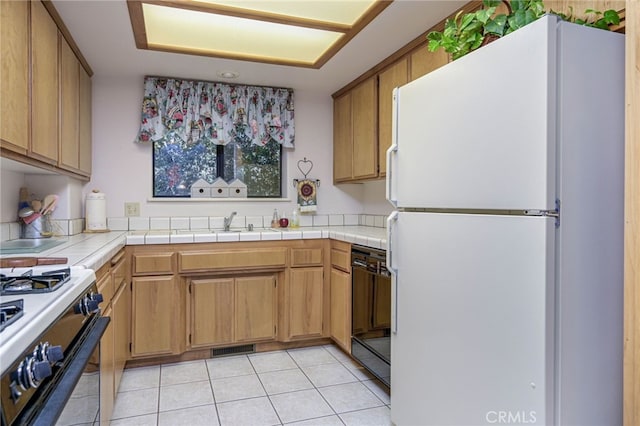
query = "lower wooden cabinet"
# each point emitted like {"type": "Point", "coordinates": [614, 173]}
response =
{"type": "Point", "coordinates": [255, 308]}
{"type": "Point", "coordinates": [212, 311]}
{"type": "Point", "coordinates": [230, 310]}
{"type": "Point", "coordinates": [121, 306]}
{"type": "Point", "coordinates": [341, 308]}
{"type": "Point", "coordinates": [114, 345]}
{"type": "Point", "coordinates": [305, 302]}
{"type": "Point", "coordinates": [156, 322]}
{"type": "Point", "coordinates": [107, 384]}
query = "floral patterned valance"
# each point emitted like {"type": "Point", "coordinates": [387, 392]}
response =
{"type": "Point", "coordinates": [190, 111]}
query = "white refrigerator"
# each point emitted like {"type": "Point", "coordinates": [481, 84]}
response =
{"type": "Point", "coordinates": [506, 243]}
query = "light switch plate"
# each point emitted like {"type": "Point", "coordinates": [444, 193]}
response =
{"type": "Point", "coordinates": [131, 209]}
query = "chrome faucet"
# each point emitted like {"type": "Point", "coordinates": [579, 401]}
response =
{"type": "Point", "coordinates": [227, 221]}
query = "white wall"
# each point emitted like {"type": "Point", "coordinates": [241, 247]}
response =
{"type": "Point", "coordinates": [10, 183]}
{"type": "Point", "coordinates": [374, 200]}
{"type": "Point", "coordinates": [39, 184]}
{"type": "Point", "coordinates": [122, 168]}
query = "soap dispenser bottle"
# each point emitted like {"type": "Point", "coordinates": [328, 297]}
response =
{"type": "Point", "coordinates": [275, 220]}
{"type": "Point", "coordinates": [295, 219]}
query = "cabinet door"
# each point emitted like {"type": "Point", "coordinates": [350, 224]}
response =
{"type": "Point", "coordinates": [107, 390]}
{"type": "Point", "coordinates": [255, 308]}
{"type": "Point", "coordinates": [212, 311]}
{"type": "Point", "coordinates": [392, 77]}
{"type": "Point", "coordinates": [342, 153]}
{"type": "Point", "coordinates": [69, 107]}
{"type": "Point", "coordinates": [423, 61]}
{"type": "Point", "coordinates": [121, 306]}
{"type": "Point", "coordinates": [85, 123]}
{"type": "Point", "coordinates": [305, 301]}
{"type": "Point", "coordinates": [341, 308]}
{"type": "Point", "coordinates": [365, 140]}
{"type": "Point", "coordinates": [14, 85]}
{"type": "Point", "coordinates": [44, 85]}
{"type": "Point", "coordinates": [155, 316]}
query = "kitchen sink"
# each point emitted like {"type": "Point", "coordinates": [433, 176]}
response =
{"type": "Point", "coordinates": [35, 245]}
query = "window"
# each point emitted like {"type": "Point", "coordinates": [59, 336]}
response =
{"type": "Point", "coordinates": [178, 165]}
{"type": "Point", "coordinates": [203, 130]}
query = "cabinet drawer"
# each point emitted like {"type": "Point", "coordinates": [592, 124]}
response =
{"type": "Point", "coordinates": [118, 271]}
{"type": "Point", "coordinates": [152, 263]}
{"type": "Point", "coordinates": [232, 259]}
{"type": "Point", "coordinates": [306, 257]}
{"type": "Point", "coordinates": [341, 259]}
{"type": "Point", "coordinates": [106, 289]}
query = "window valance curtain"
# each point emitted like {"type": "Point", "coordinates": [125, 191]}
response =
{"type": "Point", "coordinates": [190, 111]}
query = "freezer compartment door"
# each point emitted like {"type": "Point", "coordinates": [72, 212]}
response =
{"type": "Point", "coordinates": [474, 298]}
{"type": "Point", "coordinates": [457, 145]}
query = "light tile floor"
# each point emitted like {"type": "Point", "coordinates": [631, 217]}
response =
{"type": "Point", "coordinates": [310, 386]}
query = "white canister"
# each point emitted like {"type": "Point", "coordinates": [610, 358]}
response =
{"type": "Point", "coordinates": [96, 211]}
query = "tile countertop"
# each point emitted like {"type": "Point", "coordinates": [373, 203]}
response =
{"type": "Point", "coordinates": [94, 250]}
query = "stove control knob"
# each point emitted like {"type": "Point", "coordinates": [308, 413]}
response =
{"type": "Point", "coordinates": [31, 372]}
{"type": "Point", "coordinates": [15, 392]}
{"type": "Point", "coordinates": [40, 371]}
{"type": "Point", "coordinates": [55, 354]}
{"type": "Point", "coordinates": [96, 297]}
{"type": "Point", "coordinates": [89, 304]}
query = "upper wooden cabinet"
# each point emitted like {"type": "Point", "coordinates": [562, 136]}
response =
{"type": "Point", "coordinates": [69, 108]}
{"type": "Point", "coordinates": [423, 62]}
{"type": "Point", "coordinates": [85, 123]}
{"type": "Point", "coordinates": [342, 138]}
{"type": "Point", "coordinates": [392, 77]}
{"type": "Point", "coordinates": [355, 133]}
{"type": "Point", "coordinates": [363, 111]}
{"type": "Point", "coordinates": [45, 91]}
{"type": "Point", "coordinates": [14, 84]}
{"type": "Point", "coordinates": [44, 85]}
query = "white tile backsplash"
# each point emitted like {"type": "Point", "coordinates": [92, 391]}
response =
{"type": "Point", "coordinates": [336, 220]}
{"type": "Point", "coordinates": [179, 223]}
{"type": "Point", "coordinates": [351, 219]}
{"type": "Point", "coordinates": [138, 223]}
{"type": "Point", "coordinates": [76, 226]}
{"type": "Point", "coordinates": [306, 220]}
{"type": "Point", "coordinates": [256, 221]}
{"type": "Point", "coordinates": [60, 227]}
{"type": "Point", "coordinates": [321, 220]}
{"type": "Point", "coordinates": [160, 223]}
{"type": "Point", "coordinates": [118, 223]}
{"type": "Point", "coordinates": [369, 220]}
{"type": "Point", "coordinates": [378, 221]}
{"type": "Point", "coordinates": [199, 223]}
{"type": "Point", "coordinates": [216, 222]}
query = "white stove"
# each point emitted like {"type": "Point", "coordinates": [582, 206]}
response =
{"type": "Point", "coordinates": [40, 344]}
{"type": "Point", "coordinates": [40, 309]}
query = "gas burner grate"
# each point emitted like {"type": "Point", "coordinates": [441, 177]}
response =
{"type": "Point", "coordinates": [28, 283]}
{"type": "Point", "coordinates": [10, 312]}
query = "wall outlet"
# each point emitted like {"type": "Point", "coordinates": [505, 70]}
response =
{"type": "Point", "coordinates": [131, 209]}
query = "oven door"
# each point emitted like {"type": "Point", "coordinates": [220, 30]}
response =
{"type": "Point", "coordinates": [371, 319]}
{"type": "Point", "coordinates": [74, 397]}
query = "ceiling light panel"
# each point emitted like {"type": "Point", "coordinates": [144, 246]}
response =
{"type": "Point", "coordinates": [337, 12]}
{"type": "Point", "coordinates": [170, 27]}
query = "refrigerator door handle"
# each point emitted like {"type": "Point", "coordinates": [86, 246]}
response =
{"type": "Point", "coordinates": [391, 220]}
{"type": "Point", "coordinates": [392, 150]}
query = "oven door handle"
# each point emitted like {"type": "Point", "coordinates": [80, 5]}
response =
{"type": "Point", "coordinates": [56, 402]}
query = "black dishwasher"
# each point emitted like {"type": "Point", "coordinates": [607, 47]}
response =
{"type": "Point", "coordinates": [371, 311]}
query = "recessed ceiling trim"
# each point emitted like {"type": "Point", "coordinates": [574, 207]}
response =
{"type": "Point", "coordinates": [136, 14]}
